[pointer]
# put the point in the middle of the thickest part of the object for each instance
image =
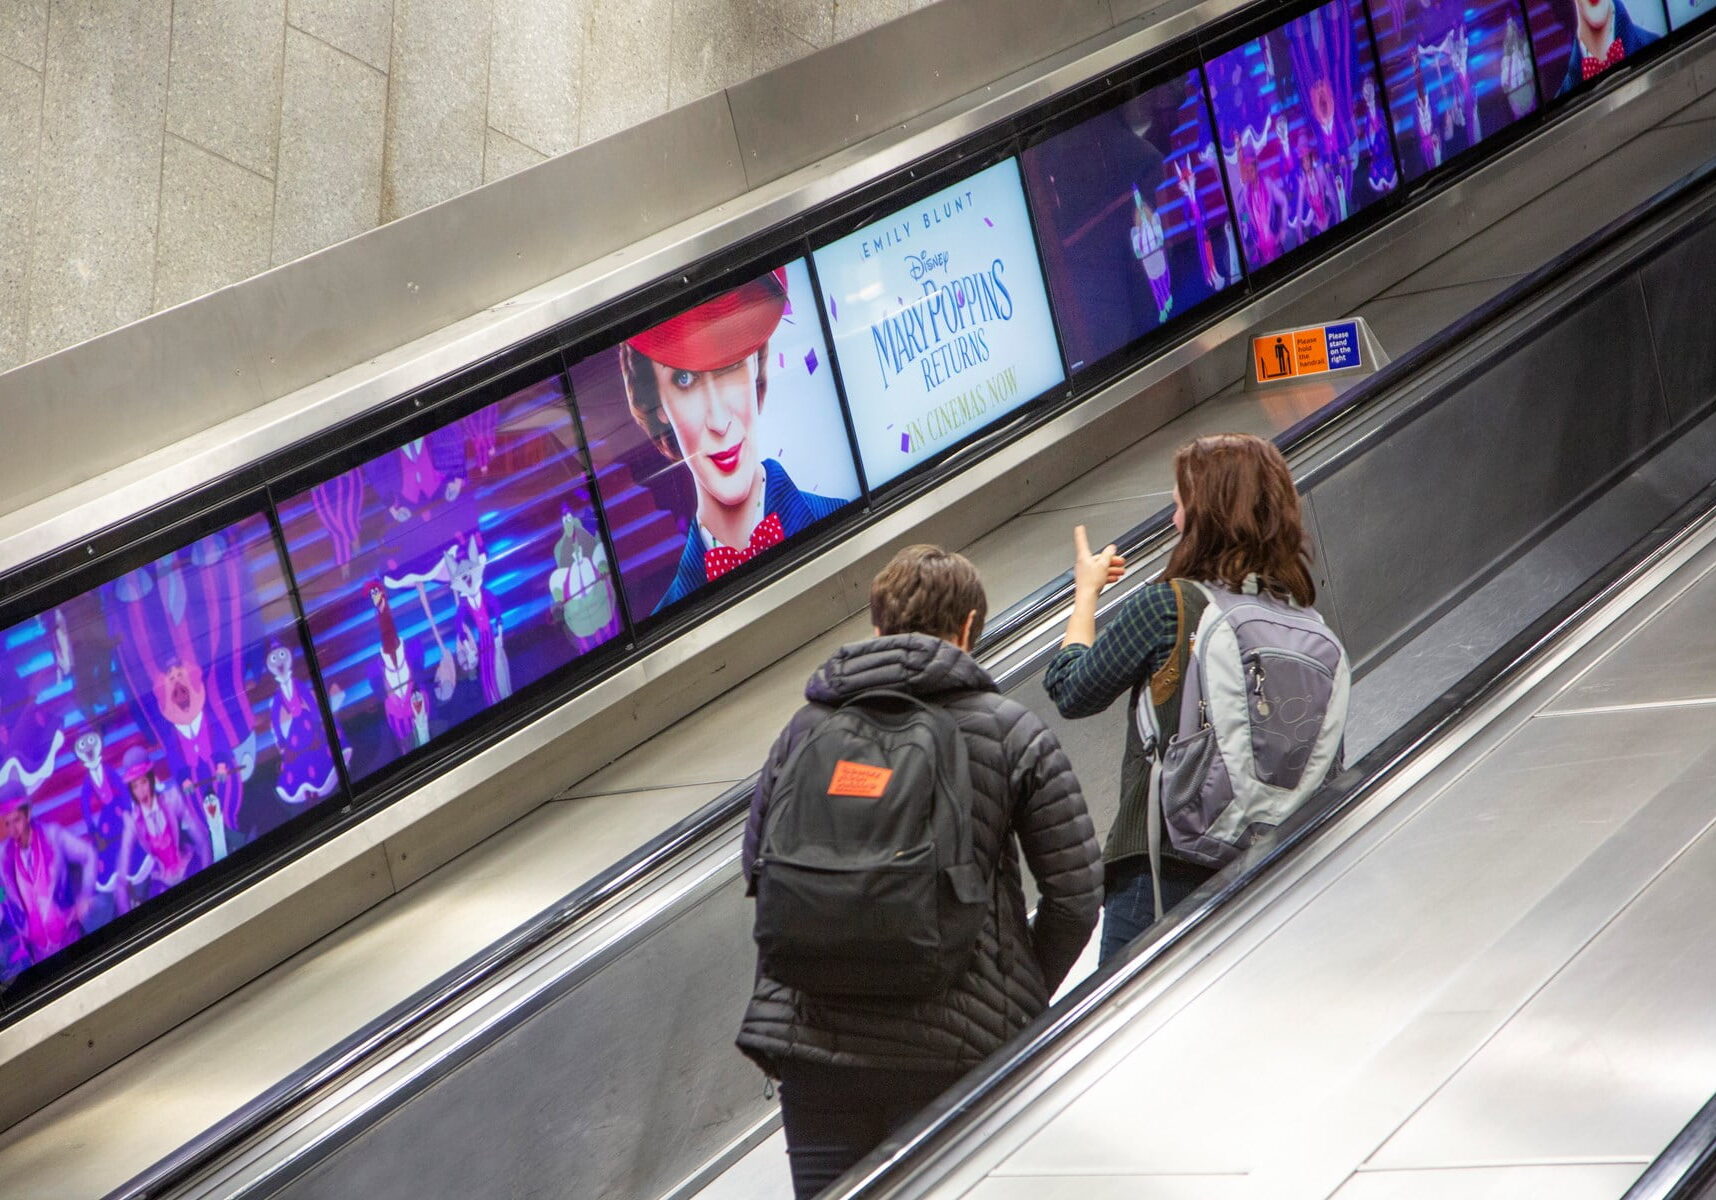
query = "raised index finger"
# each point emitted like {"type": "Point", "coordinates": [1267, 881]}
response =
{"type": "Point", "coordinates": [1081, 543]}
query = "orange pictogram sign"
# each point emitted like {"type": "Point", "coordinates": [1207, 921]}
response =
{"type": "Point", "coordinates": [857, 779]}
{"type": "Point", "coordinates": [1311, 351]}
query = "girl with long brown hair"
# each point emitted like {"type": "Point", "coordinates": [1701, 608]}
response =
{"type": "Point", "coordinates": [1238, 515]}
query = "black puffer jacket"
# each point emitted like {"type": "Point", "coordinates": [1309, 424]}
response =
{"type": "Point", "coordinates": [1025, 787]}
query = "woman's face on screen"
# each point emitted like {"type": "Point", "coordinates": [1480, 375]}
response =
{"type": "Point", "coordinates": [713, 415]}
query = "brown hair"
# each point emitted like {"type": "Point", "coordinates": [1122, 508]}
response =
{"type": "Point", "coordinates": [926, 589]}
{"type": "Point", "coordinates": [1242, 517]}
{"type": "Point", "coordinates": [644, 398]}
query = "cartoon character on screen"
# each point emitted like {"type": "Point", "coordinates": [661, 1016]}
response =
{"type": "Point", "coordinates": [182, 643]}
{"type": "Point", "coordinates": [1516, 73]}
{"type": "Point", "coordinates": [1150, 248]}
{"type": "Point", "coordinates": [481, 642]}
{"type": "Point", "coordinates": [582, 586]}
{"type": "Point", "coordinates": [307, 770]}
{"type": "Point", "coordinates": [1381, 176]}
{"type": "Point", "coordinates": [425, 472]}
{"type": "Point", "coordinates": [478, 649]}
{"type": "Point", "coordinates": [1457, 49]}
{"type": "Point", "coordinates": [1321, 46]}
{"type": "Point", "coordinates": [1429, 141]}
{"type": "Point", "coordinates": [696, 385]}
{"type": "Point", "coordinates": [1604, 35]}
{"type": "Point", "coordinates": [402, 701]}
{"type": "Point", "coordinates": [48, 874]}
{"type": "Point", "coordinates": [110, 824]}
{"type": "Point", "coordinates": [481, 429]}
{"type": "Point", "coordinates": [1186, 180]}
{"type": "Point", "coordinates": [173, 834]}
{"type": "Point", "coordinates": [1318, 209]}
{"type": "Point", "coordinates": [339, 505]}
{"type": "Point", "coordinates": [1266, 213]}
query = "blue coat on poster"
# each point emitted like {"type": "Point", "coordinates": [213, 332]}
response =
{"type": "Point", "coordinates": [941, 323]}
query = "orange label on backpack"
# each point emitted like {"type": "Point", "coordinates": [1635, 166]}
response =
{"type": "Point", "coordinates": [856, 779]}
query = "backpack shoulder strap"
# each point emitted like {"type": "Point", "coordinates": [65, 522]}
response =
{"type": "Point", "coordinates": [1169, 680]}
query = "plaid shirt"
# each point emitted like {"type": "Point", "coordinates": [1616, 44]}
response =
{"type": "Point", "coordinates": [1084, 680]}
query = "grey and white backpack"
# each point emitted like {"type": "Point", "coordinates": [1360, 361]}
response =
{"type": "Point", "coordinates": [1262, 686]}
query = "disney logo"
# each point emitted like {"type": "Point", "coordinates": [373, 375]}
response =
{"type": "Point", "coordinates": [923, 263]}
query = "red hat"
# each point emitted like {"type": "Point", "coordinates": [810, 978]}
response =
{"type": "Point", "coordinates": [718, 332]}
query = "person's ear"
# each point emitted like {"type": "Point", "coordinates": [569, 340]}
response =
{"type": "Point", "coordinates": [876, 629]}
{"type": "Point", "coordinates": [964, 642]}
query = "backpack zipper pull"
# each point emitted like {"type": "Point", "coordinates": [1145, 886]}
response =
{"type": "Point", "coordinates": [1262, 700]}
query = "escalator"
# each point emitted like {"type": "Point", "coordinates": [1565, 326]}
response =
{"type": "Point", "coordinates": [329, 1074]}
{"type": "Point", "coordinates": [1458, 501]}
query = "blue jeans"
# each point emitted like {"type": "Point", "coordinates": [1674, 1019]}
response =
{"type": "Point", "coordinates": [1129, 905]}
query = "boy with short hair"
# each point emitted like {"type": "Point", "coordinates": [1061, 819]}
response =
{"type": "Point", "coordinates": [854, 1069]}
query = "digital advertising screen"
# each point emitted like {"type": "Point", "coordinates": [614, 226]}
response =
{"type": "Point", "coordinates": [148, 728]}
{"type": "Point", "coordinates": [1303, 129]}
{"type": "Point", "coordinates": [940, 320]}
{"type": "Point", "coordinates": [1575, 41]}
{"type": "Point", "coordinates": [1457, 71]}
{"type": "Point", "coordinates": [1132, 218]}
{"type": "Point", "coordinates": [1682, 13]}
{"type": "Point", "coordinates": [715, 435]}
{"type": "Point", "coordinates": [442, 576]}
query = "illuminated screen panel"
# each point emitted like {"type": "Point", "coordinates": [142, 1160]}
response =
{"type": "Point", "coordinates": [1132, 218]}
{"type": "Point", "coordinates": [940, 320]}
{"type": "Point", "coordinates": [1682, 13]}
{"type": "Point", "coordinates": [149, 728]}
{"type": "Point", "coordinates": [1457, 71]}
{"type": "Point", "coordinates": [1577, 40]}
{"type": "Point", "coordinates": [446, 574]}
{"type": "Point", "coordinates": [715, 436]}
{"type": "Point", "coordinates": [1303, 129]}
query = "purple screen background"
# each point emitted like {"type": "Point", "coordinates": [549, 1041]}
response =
{"type": "Point", "coordinates": [1081, 183]}
{"type": "Point", "coordinates": [162, 674]}
{"type": "Point", "coordinates": [1420, 47]}
{"type": "Point", "coordinates": [1312, 74]}
{"type": "Point", "coordinates": [502, 490]}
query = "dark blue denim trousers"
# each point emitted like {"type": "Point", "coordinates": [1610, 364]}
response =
{"type": "Point", "coordinates": [1128, 904]}
{"type": "Point", "coordinates": [834, 1116]}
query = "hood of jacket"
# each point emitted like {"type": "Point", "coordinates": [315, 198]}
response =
{"type": "Point", "coordinates": [914, 663]}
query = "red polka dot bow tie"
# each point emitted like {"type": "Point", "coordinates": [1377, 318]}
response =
{"type": "Point", "coordinates": [1592, 67]}
{"type": "Point", "coordinates": [721, 559]}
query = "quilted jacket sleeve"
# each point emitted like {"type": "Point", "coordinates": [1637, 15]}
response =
{"type": "Point", "coordinates": [1059, 844]}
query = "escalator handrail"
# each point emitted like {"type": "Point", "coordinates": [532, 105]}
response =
{"type": "Point", "coordinates": [1686, 1166]}
{"type": "Point", "coordinates": [717, 816]}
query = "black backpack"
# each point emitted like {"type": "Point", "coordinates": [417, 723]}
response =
{"type": "Point", "coordinates": [866, 880]}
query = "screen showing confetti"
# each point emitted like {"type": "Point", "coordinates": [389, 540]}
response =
{"type": "Point", "coordinates": [1303, 128]}
{"type": "Point", "coordinates": [1456, 71]}
{"type": "Point", "coordinates": [941, 324]}
{"type": "Point", "coordinates": [715, 436]}
{"type": "Point", "coordinates": [444, 575]}
{"type": "Point", "coordinates": [1682, 13]}
{"type": "Point", "coordinates": [1133, 218]}
{"type": "Point", "coordinates": [149, 728]}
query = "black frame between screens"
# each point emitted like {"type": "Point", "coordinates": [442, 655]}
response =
{"type": "Point", "coordinates": [41, 584]}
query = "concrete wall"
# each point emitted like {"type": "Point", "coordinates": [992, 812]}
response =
{"type": "Point", "coordinates": [155, 150]}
